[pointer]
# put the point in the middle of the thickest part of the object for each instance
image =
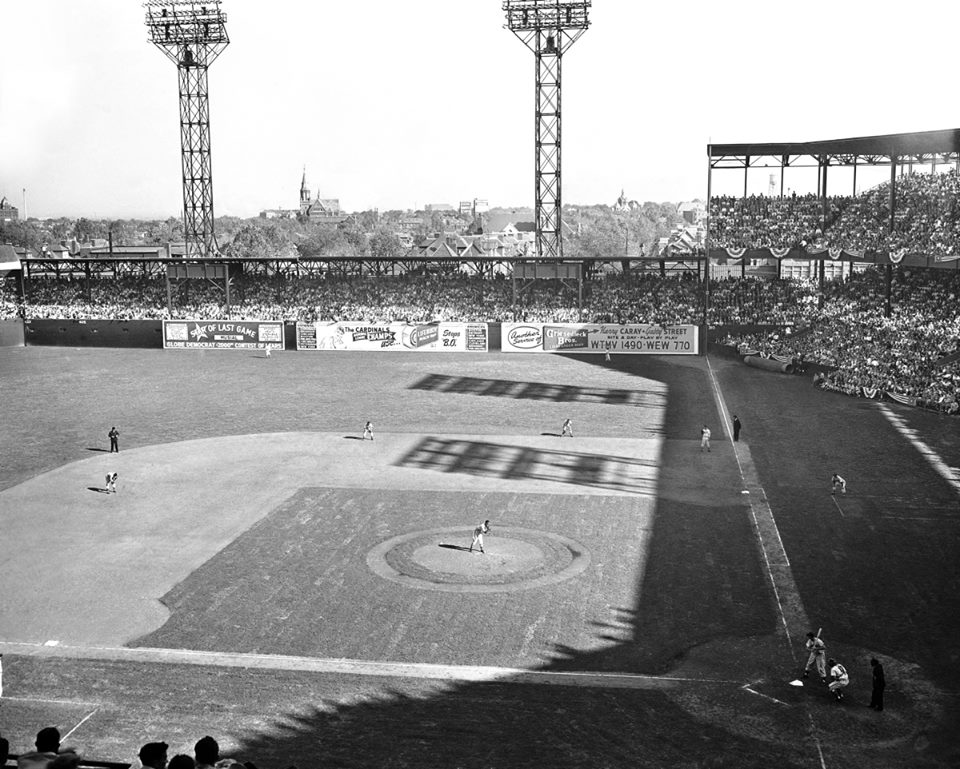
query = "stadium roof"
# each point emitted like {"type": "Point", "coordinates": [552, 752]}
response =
{"type": "Point", "coordinates": [911, 145]}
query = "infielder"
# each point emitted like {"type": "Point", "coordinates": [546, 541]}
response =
{"type": "Point", "coordinates": [817, 649]}
{"type": "Point", "coordinates": [837, 482]}
{"type": "Point", "coordinates": [567, 428]}
{"type": "Point", "coordinates": [367, 430]}
{"type": "Point", "coordinates": [838, 679]}
{"type": "Point", "coordinates": [705, 438]}
{"type": "Point", "coordinates": [111, 483]}
{"type": "Point", "coordinates": [483, 528]}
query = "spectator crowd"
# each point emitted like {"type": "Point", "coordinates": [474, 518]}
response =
{"type": "Point", "coordinates": [841, 324]}
{"type": "Point", "coordinates": [49, 753]}
{"type": "Point", "coordinates": [926, 219]}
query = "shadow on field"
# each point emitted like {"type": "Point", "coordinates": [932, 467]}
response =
{"type": "Point", "coordinates": [454, 547]}
{"type": "Point", "coordinates": [540, 391]}
{"type": "Point", "coordinates": [495, 460]}
{"type": "Point", "coordinates": [703, 582]}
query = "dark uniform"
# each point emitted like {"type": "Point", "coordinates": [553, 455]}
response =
{"type": "Point", "coordinates": [114, 434]}
{"type": "Point", "coordinates": [879, 684]}
{"type": "Point", "coordinates": [736, 427]}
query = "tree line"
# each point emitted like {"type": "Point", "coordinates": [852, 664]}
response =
{"type": "Point", "coordinates": [589, 231]}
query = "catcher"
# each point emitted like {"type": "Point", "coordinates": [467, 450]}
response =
{"type": "Point", "coordinates": [838, 679]}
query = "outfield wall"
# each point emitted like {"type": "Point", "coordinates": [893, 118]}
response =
{"type": "Point", "coordinates": [93, 333]}
{"type": "Point", "coordinates": [409, 337]}
{"type": "Point", "coordinates": [291, 335]}
{"type": "Point", "coordinates": [600, 338]}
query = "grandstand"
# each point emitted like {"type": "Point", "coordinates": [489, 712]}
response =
{"type": "Point", "coordinates": [266, 576]}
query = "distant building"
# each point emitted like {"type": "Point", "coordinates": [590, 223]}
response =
{"type": "Point", "coordinates": [318, 210]}
{"type": "Point", "coordinates": [8, 212]}
{"type": "Point", "coordinates": [623, 205]}
{"type": "Point", "coordinates": [441, 207]}
{"type": "Point", "coordinates": [692, 212]}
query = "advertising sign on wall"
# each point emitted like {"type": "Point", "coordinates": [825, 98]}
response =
{"type": "Point", "coordinates": [413, 337]}
{"type": "Point", "coordinates": [222, 335]}
{"type": "Point", "coordinates": [600, 338]}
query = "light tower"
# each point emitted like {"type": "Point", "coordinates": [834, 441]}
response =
{"type": "Point", "coordinates": [548, 28]}
{"type": "Point", "coordinates": [192, 35]}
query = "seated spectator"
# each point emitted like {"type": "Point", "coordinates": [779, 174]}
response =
{"type": "Point", "coordinates": [181, 761]}
{"type": "Point", "coordinates": [153, 755]}
{"type": "Point", "coordinates": [47, 747]}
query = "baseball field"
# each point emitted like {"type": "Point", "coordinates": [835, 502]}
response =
{"type": "Point", "coordinates": [265, 576]}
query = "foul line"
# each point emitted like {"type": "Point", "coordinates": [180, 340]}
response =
{"type": "Point", "coordinates": [457, 673]}
{"type": "Point", "coordinates": [746, 688]}
{"type": "Point", "coordinates": [950, 474]}
{"type": "Point", "coordinates": [777, 549]}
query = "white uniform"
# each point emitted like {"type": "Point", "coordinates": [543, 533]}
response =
{"type": "Point", "coordinates": [837, 482]}
{"type": "Point", "coordinates": [816, 647]}
{"type": "Point", "coordinates": [367, 430]}
{"type": "Point", "coordinates": [478, 533]}
{"type": "Point", "coordinates": [838, 680]}
{"type": "Point", "coordinates": [567, 428]}
{"type": "Point", "coordinates": [705, 438]}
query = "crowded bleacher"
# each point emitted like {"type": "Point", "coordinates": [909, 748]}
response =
{"type": "Point", "coordinates": [926, 219]}
{"type": "Point", "coordinates": [840, 325]}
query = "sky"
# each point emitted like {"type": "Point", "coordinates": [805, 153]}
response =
{"type": "Point", "coordinates": [394, 105]}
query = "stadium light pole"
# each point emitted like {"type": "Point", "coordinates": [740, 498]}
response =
{"type": "Point", "coordinates": [192, 34]}
{"type": "Point", "coordinates": [548, 28]}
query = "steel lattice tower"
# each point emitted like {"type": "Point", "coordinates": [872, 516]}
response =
{"type": "Point", "coordinates": [192, 34]}
{"type": "Point", "coordinates": [548, 28]}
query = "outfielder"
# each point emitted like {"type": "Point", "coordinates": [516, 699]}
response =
{"type": "Point", "coordinates": [705, 438]}
{"type": "Point", "coordinates": [483, 528]}
{"type": "Point", "coordinates": [817, 649]}
{"type": "Point", "coordinates": [567, 428]}
{"type": "Point", "coordinates": [838, 679]}
{"type": "Point", "coordinates": [367, 430]}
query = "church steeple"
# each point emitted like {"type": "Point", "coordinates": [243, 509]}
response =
{"type": "Point", "coordinates": [304, 193]}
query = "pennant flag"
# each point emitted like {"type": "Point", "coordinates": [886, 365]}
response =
{"type": "Point", "coordinates": [906, 400]}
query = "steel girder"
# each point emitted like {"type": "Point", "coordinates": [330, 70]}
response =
{"type": "Point", "coordinates": [548, 28]}
{"type": "Point", "coordinates": [192, 36]}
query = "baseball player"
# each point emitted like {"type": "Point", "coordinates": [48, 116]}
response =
{"type": "Point", "coordinates": [705, 438]}
{"type": "Point", "coordinates": [838, 679]}
{"type": "Point", "coordinates": [838, 482]}
{"type": "Point", "coordinates": [816, 648]}
{"type": "Point", "coordinates": [567, 428]}
{"type": "Point", "coordinates": [367, 430]}
{"type": "Point", "coordinates": [483, 528]}
{"type": "Point", "coordinates": [111, 483]}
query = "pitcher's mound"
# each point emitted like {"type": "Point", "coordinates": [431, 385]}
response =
{"type": "Point", "coordinates": [515, 559]}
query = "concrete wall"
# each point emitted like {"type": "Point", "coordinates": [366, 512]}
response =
{"type": "Point", "coordinates": [94, 333]}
